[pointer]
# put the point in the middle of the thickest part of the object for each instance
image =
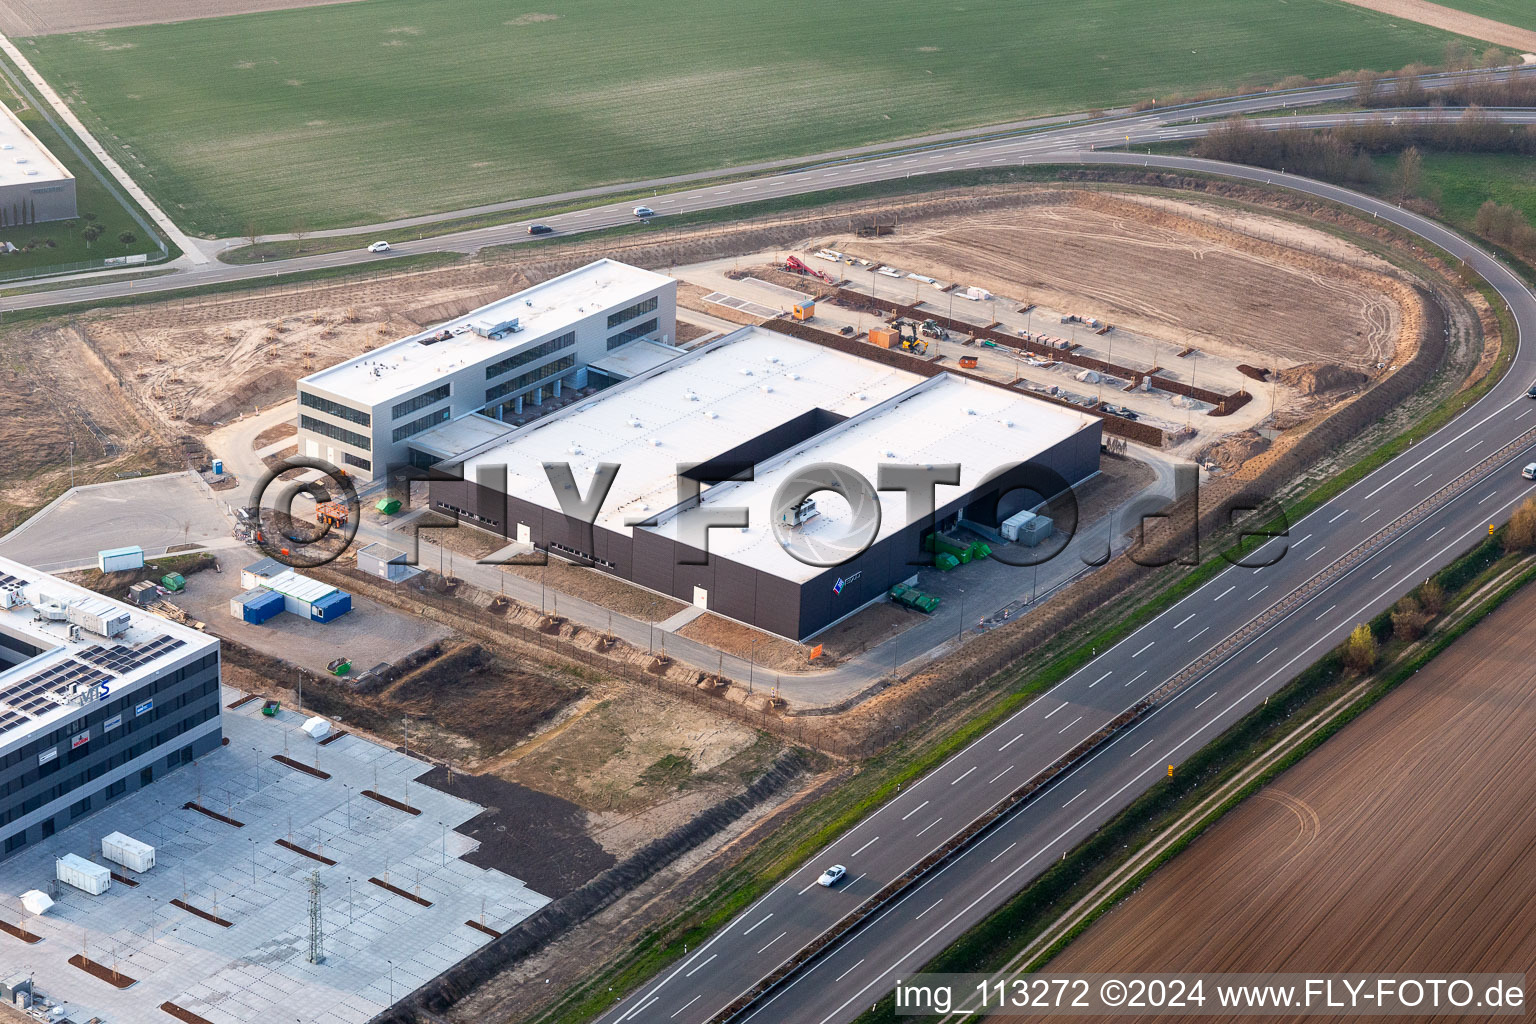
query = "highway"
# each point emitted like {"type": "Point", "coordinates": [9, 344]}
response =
{"type": "Point", "coordinates": [1304, 603]}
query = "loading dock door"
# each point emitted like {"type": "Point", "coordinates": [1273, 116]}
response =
{"type": "Point", "coordinates": [701, 598]}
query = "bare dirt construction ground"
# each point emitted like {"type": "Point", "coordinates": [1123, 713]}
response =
{"type": "Point", "coordinates": [599, 588]}
{"type": "Point", "coordinates": [1452, 20]}
{"type": "Point", "coordinates": [50, 17]}
{"type": "Point", "coordinates": [1261, 287]}
{"type": "Point", "coordinates": [1404, 843]}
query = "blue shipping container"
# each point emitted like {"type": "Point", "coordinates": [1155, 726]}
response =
{"type": "Point", "coordinates": [332, 606]}
{"type": "Point", "coordinates": [261, 607]}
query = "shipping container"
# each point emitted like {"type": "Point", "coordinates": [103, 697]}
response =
{"type": "Point", "coordinates": [127, 851]}
{"type": "Point", "coordinates": [884, 337]}
{"type": "Point", "coordinates": [119, 559]}
{"type": "Point", "coordinates": [144, 593]}
{"type": "Point", "coordinates": [256, 606]}
{"type": "Point", "coordinates": [82, 874]}
{"type": "Point", "coordinates": [332, 606]}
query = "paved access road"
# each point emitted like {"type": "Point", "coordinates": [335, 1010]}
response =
{"type": "Point", "coordinates": [903, 936]}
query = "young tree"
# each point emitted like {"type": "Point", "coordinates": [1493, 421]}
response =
{"type": "Point", "coordinates": [1432, 598]}
{"type": "Point", "coordinates": [1360, 649]}
{"type": "Point", "coordinates": [127, 238]}
{"type": "Point", "coordinates": [90, 234]}
{"type": "Point", "coordinates": [1408, 619]}
{"type": "Point", "coordinates": [299, 230]}
{"type": "Point", "coordinates": [1410, 172]}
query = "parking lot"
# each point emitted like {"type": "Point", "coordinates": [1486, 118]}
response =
{"type": "Point", "coordinates": [378, 943]}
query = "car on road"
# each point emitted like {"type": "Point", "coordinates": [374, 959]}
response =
{"type": "Point", "coordinates": [539, 229]}
{"type": "Point", "coordinates": [379, 247]}
{"type": "Point", "coordinates": [1529, 472]}
{"type": "Point", "coordinates": [832, 875]}
{"type": "Point", "coordinates": [644, 211]}
{"type": "Point", "coordinates": [1531, 393]}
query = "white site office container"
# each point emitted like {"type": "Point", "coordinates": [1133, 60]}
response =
{"type": "Point", "coordinates": [119, 559]}
{"type": "Point", "coordinates": [317, 728]}
{"type": "Point", "coordinates": [1010, 527]}
{"type": "Point", "coordinates": [128, 851]}
{"type": "Point", "coordinates": [82, 874]}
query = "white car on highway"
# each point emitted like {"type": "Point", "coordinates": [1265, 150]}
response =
{"type": "Point", "coordinates": [832, 875]}
{"type": "Point", "coordinates": [379, 247]}
{"type": "Point", "coordinates": [1529, 472]}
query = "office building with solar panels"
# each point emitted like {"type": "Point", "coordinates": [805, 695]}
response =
{"type": "Point", "coordinates": [97, 698]}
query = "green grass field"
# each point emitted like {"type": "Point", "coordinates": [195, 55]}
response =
{"type": "Point", "coordinates": [1521, 13]}
{"type": "Point", "coordinates": [1461, 182]}
{"type": "Point", "coordinates": [356, 113]}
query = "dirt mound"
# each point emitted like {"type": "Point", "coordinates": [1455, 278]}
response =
{"type": "Point", "coordinates": [1316, 378]}
{"type": "Point", "coordinates": [1231, 452]}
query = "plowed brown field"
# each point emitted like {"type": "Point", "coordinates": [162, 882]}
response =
{"type": "Point", "coordinates": [1404, 843]}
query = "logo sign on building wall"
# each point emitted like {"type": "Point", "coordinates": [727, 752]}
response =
{"type": "Point", "coordinates": [837, 588]}
{"type": "Point", "coordinates": [112, 723]}
{"type": "Point", "coordinates": [81, 740]}
{"type": "Point", "coordinates": [139, 709]}
{"type": "Point", "coordinates": [48, 755]}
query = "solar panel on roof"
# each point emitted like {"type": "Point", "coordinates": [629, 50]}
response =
{"type": "Point", "coordinates": [120, 659]}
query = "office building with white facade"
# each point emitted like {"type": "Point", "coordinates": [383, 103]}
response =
{"type": "Point", "coordinates": [389, 407]}
{"type": "Point", "coordinates": [97, 699]}
{"type": "Point", "coordinates": [34, 185]}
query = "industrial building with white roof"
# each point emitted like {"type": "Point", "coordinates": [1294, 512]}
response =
{"type": "Point", "coordinates": [34, 185]}
{"type": "Point", "coordinates": [778, 404]}
{"type": "Point", "coordinates": [366, 415]}
{"type": "Point", "coordinates": [97, 698]}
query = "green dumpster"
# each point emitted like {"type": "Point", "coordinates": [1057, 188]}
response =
{"type": "Point", "coordinates": [388, 506]}
{"type": "Point", "coordinates": [175, 582]}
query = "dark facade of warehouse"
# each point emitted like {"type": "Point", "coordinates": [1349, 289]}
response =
{"type": "Point", "coordinates": [787, 607]}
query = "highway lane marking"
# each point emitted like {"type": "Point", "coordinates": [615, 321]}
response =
{"type": "Point", "coordinates": [1315, 553]}
{"type": "Point", "coordinates": [1184, 620]}
{"type": "Point", "coordinates": [1142, 651]}
{"type": "Point", "coordinates": [1063, 704]}
{"type": "Point", "coordinates": [1302, 541]}
{"type": "Point", "coordinates": [1435, 534]}
{"type": "Point", "coordinates": [1144, 746]}
{"type": "Point", "coordinates": [930, 825]}
{"type": "Point", "coordinates": [992, 861]}
{"type": "Point", "coordinates": [1020, 736]}
{"type": "Point", "coordinates": [1272, 650]}
{"type": "Point", "coordinates": [1483, 499]}
{"type": "Point", "coordinates": [643, 1006]}
{"type": "Point", "coordinates": [1476, 443]}
{"type": "Point", "coordinates": [688, 1004]}
{"type": "Point", "coordinates": [771, 941]}
{"type": "Point", "coordinates": [1069, 725]}
{"type": "Point", "coordinates": [1256, 593]}
{"type": "Point", "coordinates": [855, 853]}
{"type": "Point", "coordinates": [967, 772]}
{"type": "Point", "coordinates": [920, 806]}
{"type": "Point", "coordinates": [754, 928]}
{"type": "Point", "coordinates": [1340, 515]}
{"type": "Point", "coordinates": [936, 902]}
{"type": "Point", "coordinates": [1210, 698]}
{"type": "Point", "coordinates": [807, 889]}
{"type": "Point", "coordinates": [1224, 593]}
{"type": "Point", "coordinates": [999, 775]}
{"type": "Point", "coordinates": [1198, 635]}
{"type": "Point", "coordinates": [1382, 570]}
{"type": "Point", "coordinates": [1101, 678]}
{"type": "Point", "coordinates": [1420, 483]}
{"type": "Point", "coordinates": [850, 970]}
{"type": "Point", "coordinates": [1369, 516]}
{"type": "Point", "coordinates": [1523, 415]}
{"type": "Point", "coordinates": [1074, 798]}
{"type": "Point", "coordinates": [1137, 676]}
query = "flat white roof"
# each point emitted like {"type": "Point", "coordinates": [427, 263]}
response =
{"type": "Point", "coordinates": [690, 409]}
{"type": "Point", "coordinates": [945, 420]}
{"type": "Point", "coordinates": [23, 158]}
{"type": "Point", "coordinates": [635, 358]}
{"type": "Point", "coordinates": [119, 661]}
{"type": "Point", "coordinates": [460, 435]}
{"type": "Point", "coordinates": [543, 310]}
{"type": "Point", "coordinates": [701, 405]}
{"type": "Point", "coordinates": [300, 588]}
